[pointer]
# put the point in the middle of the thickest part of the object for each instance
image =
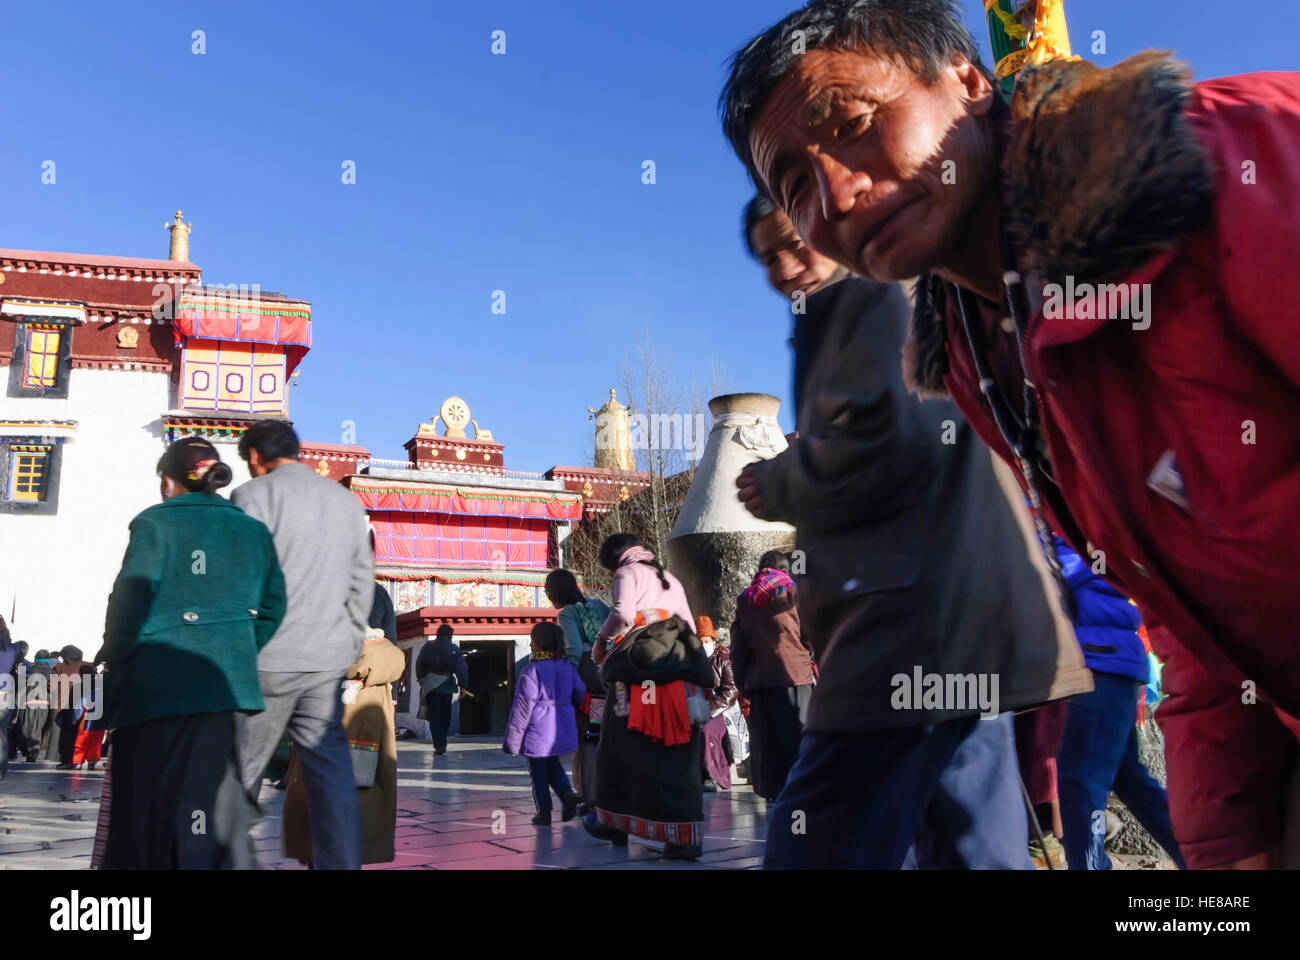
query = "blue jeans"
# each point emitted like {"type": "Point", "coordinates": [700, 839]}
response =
{"type": "Point", "coordinates": [1099, 753]}
{"type": "Point", "coordinates": [546, 773]}
{"type": "Point", "coordinates": [940, 796]}
{"type": "Point", "coordinates": [310, 706]}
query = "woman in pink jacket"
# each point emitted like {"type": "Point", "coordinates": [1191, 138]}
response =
{"type": "Point", "coordinates": [656, 674]}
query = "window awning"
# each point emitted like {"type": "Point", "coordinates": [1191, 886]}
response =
{"type": "Point", "coordinates": [245, 316]}
{"type": "Point", "coordinates": [38, 309]}
{"type": "Point", "coordinates": [53, 431]}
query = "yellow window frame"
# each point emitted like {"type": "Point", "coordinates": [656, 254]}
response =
{"type": "Point", "coordinates": [42, 366]}
{"type": "Point", "coordinates": [29, 472]}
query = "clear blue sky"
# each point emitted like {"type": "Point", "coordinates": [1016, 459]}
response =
{"type": "Point", "coordinates": [474, 173]}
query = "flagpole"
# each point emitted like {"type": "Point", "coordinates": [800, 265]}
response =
{"type": "Point", "coordinates": [1025, 33]}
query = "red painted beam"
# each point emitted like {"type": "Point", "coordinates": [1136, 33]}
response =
{"type": "Point", "coordinates": [473, 621]}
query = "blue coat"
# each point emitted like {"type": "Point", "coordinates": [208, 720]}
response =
{"type": "Point", "coordinates": [542, 721]}
{"type": "Point", "coordinates": [1108, 621]}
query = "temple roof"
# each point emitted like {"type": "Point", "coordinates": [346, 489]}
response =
{"type": "Point", "coordinates": [334, 448]}
{"type": "Point", "coordinates": [99, 260]}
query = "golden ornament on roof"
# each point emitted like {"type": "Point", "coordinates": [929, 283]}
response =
{"type": "Point", "coordinates": [455, 414]}
{"type": "Point", "coordinates": [613, 435]}
{"type": "Point", "coordinates": [180, 245]}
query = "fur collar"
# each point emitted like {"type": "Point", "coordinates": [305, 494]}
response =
{"type": "Point", "coordinates": [1101, 171]}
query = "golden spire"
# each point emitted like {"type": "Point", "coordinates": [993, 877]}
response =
{"type": "Point", "coordinates": [613, 435]}
{"type": "Point", "coordinates": [180, 249]}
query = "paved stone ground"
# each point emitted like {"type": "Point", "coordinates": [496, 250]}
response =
{"type": "Point", "coordinates": [445, 815]}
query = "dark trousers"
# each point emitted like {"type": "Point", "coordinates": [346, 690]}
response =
{"type": "Point", "coordinates": [584, 760]}
{"type": "Point", "coordinates": [7, 738]}
{"type": "Point", "coordinates": [67, 721]}
{"type": "Point", "coordinates": [1099, 753]}
{"type": "Point", "coordinates": [1038, 740]}
{"type": "Point", "coordinates": [776, 719]}
{"type": "Point", "coordinates": [178, 802]}
{"type": "Point", "coordinates": [548, 774]}
{"type": "Point", "coordinates": [940, 796]}
{"type": "Point", "coordinates": [439, 713]}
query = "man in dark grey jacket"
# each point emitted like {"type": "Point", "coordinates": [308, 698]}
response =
{"type": "Point", "coordinates": [323, 542]}
{"type": "Point", "coordinates": [441, 670]}
{"type": "Point", "coordinates": [924, 594]}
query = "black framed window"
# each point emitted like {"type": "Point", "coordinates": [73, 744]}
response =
{"type": "Point", "coordinates": [42, 359]}
{"type": "Point", "coordinates": [29, 475]}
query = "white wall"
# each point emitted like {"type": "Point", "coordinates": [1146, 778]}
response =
{"type": "Point", "coordinates": [60, 568]}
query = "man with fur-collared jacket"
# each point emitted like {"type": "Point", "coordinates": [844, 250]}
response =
{"type": "Point", "coordinates": [1107, 294]}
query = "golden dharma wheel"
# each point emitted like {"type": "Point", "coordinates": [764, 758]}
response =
{"type": "Point", "coordinates": [455, 414]}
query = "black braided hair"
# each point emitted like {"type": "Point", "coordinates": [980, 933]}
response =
{"type": "Point", "coordinates": [562, 588]}
{"type": "Point", "coordinates": [181, 460]}
{"type": "Point", "coordinates": [617, 543]}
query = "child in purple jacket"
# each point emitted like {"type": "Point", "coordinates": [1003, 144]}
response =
{"type": "Point", "coordinates": [542, 724]}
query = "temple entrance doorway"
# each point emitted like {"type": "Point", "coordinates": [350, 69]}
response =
{"type": "Point", "coordinates": [491, 681]}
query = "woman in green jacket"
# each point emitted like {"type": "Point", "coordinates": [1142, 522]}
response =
{"type": "Point", "coordinates": [199, 594]}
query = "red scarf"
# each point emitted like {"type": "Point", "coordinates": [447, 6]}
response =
{"type": "Point", "coordinates": [665, 718]}
{"type": "Point", "coordinates": [767, 585]}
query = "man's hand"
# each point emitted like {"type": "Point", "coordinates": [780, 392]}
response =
{"type": "Point", "coordinates": [749, 493]}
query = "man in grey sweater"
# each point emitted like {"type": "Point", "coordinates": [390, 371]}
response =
{"type": "Point", "coordinates": [321, 538]}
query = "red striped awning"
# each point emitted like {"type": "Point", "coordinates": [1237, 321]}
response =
{"type": "Point", "coordinates": [245, 316]}
{"type": "Point", "coordinates": [467, 501]}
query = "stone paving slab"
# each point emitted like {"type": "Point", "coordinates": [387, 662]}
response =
{"type": "Point", "coordinates": [448, 819]}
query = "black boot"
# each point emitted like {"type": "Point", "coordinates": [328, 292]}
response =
{"type": "Point", "coordinates": [569, 806]}
{"type": "Point", "coordinates": [601, 832]}
{"type": "Point", "coordinates": [542, 819]}
{"type": "Point", "coordinates": [682, 851]}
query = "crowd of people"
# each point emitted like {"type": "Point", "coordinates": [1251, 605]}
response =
{"type": "Point", "coordinates": [50, 710]}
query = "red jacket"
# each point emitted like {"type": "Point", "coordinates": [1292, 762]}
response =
{"type": "Point", "coordinates": [1195, 190]}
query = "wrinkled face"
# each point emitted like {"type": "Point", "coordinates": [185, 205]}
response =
{"type": "Point", "coordinates": [875, 168]}
{"type": "Point", "coordinates": [791, 264]}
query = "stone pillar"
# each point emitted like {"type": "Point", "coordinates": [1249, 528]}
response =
{"type": "Point", "coordinates": [715, 544]}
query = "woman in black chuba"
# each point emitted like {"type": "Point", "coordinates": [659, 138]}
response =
{"type": "Point", "coordinates": [199, 594]}
{"type": "Point", "coordinates": [655, 674]}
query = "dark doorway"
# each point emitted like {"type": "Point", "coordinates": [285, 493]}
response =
{"type": "Point", "coordinates": [492, 683]}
